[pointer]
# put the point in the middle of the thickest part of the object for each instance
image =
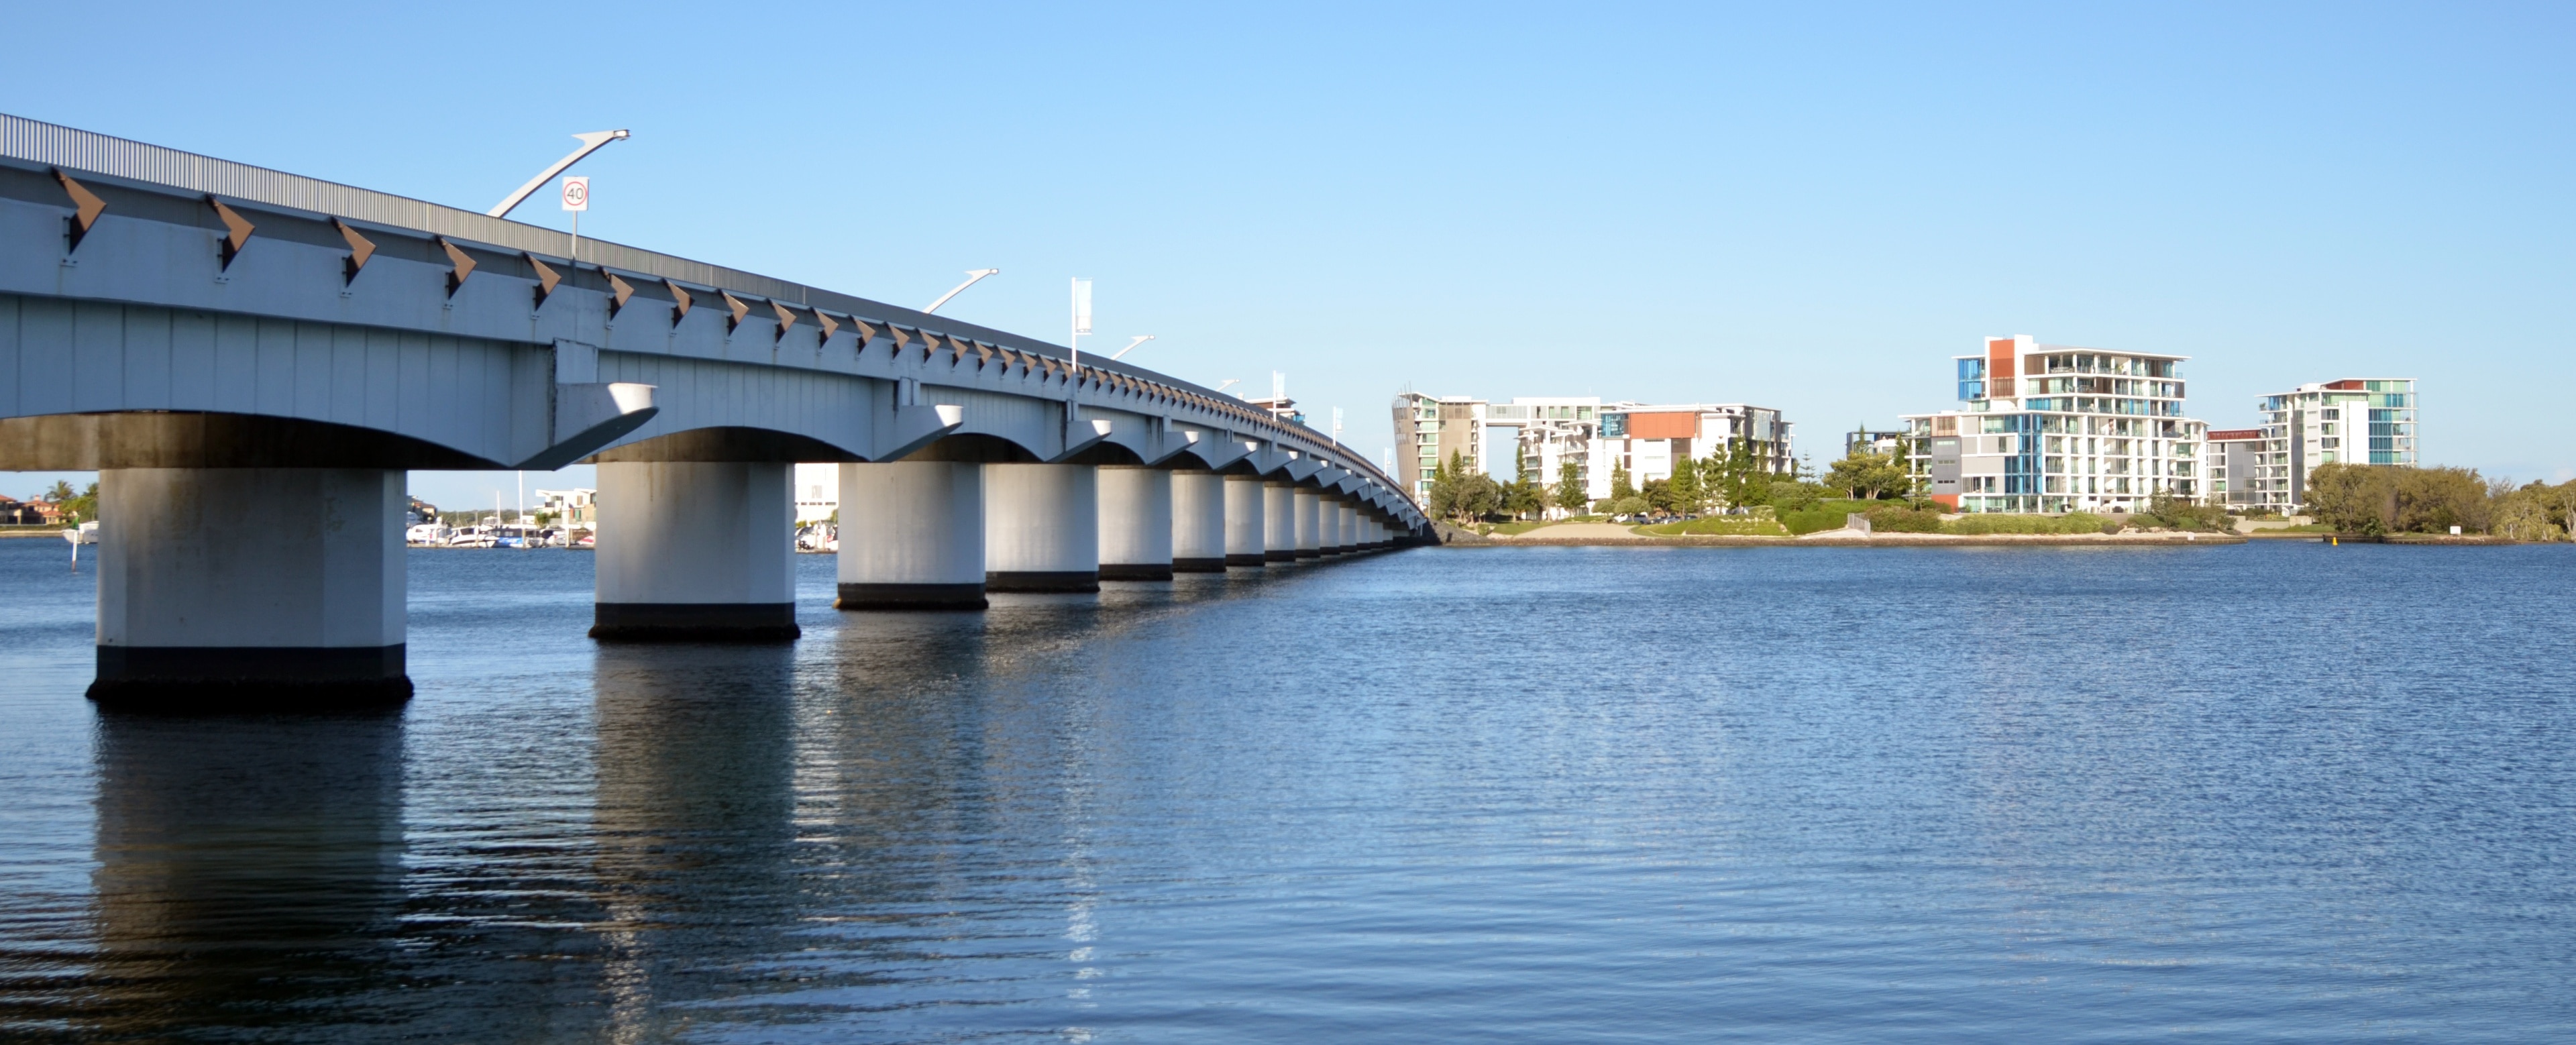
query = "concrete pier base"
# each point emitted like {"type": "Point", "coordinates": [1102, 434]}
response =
{"type": "Point", "coordinates": [1278, 521]}
{"type": "Point", "coordinates": [249, 588]}
{"type": "Point", "coordinates": [1305, 521]}
{"type": "Point", "coordinates": [695, 551]}
{"type": "Point", "coordinates": [1135, 523]}
{"type": "Point", "coordinates": [1041, 527]}
{"type": "Point", "coordinates": [1244, 516]}
{"type": "Point", "coordinates": [1198, 522]}
{"type": "Point", "coordinates": [912, 536]}
{"type": "Point", "coordinates": [1346, 536]}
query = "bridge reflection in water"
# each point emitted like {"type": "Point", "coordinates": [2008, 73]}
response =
{"type": "Point", "coordinates": [739, 806]}
{"type": "Point", "coordinates": [249, 871]}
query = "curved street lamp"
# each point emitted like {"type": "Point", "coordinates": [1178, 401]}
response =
{"type": "Point", "coordinates": [973, 276]}
{"type": "Point", "coordinates": [590, 143]}
{"type": "Point", "coordinates": [1131, 346]}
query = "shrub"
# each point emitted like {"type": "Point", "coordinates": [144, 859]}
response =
{"type": "Point", "coordinates": [2359, 498]}
{"type": "Point", "coordinates": [1790, 496]}
{"type": "Point", "coordinates": [2071, 522]}
{"type": "Point", "coordinates": [2173, 513]}
{"type": "Point", "coordinates": [1903, 520]}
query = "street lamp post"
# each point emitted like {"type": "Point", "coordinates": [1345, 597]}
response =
{"type": "Point", "coordinates": [973, 276]}
{"type": "Point", "coordinates": [1131, 346]}
{"type": "Point", "coordinates": [590, 142]}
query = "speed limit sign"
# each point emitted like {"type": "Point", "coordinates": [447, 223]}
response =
{"type": "Point", "coordinates": [576, 193]}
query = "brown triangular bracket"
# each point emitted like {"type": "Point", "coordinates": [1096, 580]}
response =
{"type": "Point", "coordinates": [619, 293]}
{"type": "Point", "coordinates": [236, 232]}
{"type": "Point", "coordinates": [360, 249]}
{"type": "Point", "coordinates": [680, 302]}
{"type": "Point", "coordinates": [830, 326]}
{"type": "Point", "coordinates": [86, 207]}
{"type": "Point", "coordinates": [786, 319]}
{"type": "Point", "coordinates": [547, 279]}
{"type": "Point", "coordinates": [901, 337]}
{"type": "Point", "coordinates": [734, 311]}
{"type": "Point", "coordinates": [456, 256]}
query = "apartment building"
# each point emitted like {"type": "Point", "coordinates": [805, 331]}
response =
{"type": "Point", "coordinates": [1428, 429]}
{"type": "Point", "coordinates": [574, 509]}
{"type": "Point", "coordinates": [817, 490]}
{"type": "Point", "coordinates": [1552, 431]}
{"type": "Point", "coordinates": [2056, 428]}
{"type": "Point", "coordinates": [2357, 420]}
{"type": "Point", "coordinates": [1651, 441]}
{"type": "Point", "coordinates": [2228, 466]}
{"type": "Point", "coordinates": [1598, 438]}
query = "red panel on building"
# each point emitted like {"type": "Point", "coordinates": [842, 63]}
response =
{"type": "Point", "coordinates": [2229, 435]}
{"type": "Point", "coordinates": [1999, 366]}
{"type": "Point", "coordinates": [2346, 386]}
{"type": "Point", "coordinates": [1663, 426]}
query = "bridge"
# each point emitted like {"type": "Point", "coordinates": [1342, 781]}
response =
{"type": "Point", "coordinates": [251, 360]}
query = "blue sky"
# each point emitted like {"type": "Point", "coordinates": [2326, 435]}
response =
{"type": "Point", "coordinates": [1802, 206]}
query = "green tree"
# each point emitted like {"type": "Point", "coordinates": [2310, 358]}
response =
{"type": "Point", "coordinates": [1658, 494]}
{"type": "Point", "coordinates": [1738, 478]}
{"type": "Point", "coordinates": [1683, 494]}
{"type": "Point", "coordinates": [2361, 498]}
{"type": "Point", "coordinates": [1570, 494]}
{"type": "Point", "coordinates": [83, 508]}
{"type": "Point", "coordinates": [1869, 476]}
{"type": "Point", "coordinates": [1620, 487]}
{"type": "Point", "coordinates": [1462, 493]}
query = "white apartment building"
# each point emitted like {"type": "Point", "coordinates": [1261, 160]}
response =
{"type": "Point", "coordinates": [1649, 441]}
{"type": "Point", "coordinates": [818, 492]}
{"type": "Point", "coordinates": [574, 509]}
{"type": "Point", "coordinates": [2056, 428]}
{"type": "Point", "coordinates": [2357, 420]}
{"type": "Point", "coordinates": [1552, 430]}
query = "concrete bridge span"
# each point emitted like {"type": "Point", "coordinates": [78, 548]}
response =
{"type": "Point", "coordinates": [252, 359]}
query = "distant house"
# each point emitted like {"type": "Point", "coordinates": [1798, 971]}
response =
{"type": "Point", "coordinates": [49, 512]}
{"type": "Point", "coordinates": [419, 512]}
{"type": "Point", "coordinates": [574, 509]}
{"type": "Point", "coordinates": [14, 512]}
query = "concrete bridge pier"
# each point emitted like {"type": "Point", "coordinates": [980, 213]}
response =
{"type": "Point", "coordinates": [1328, 523]}
{"type": "Point", "coordinates": [912, 536]}
{"type": "Point", "coordinates": [1351, 540]}
{"type": "Point", "coordinates": [1199, 521]}
{"type": "Point", "coordinates": [1305, 519]}
{"type": "Point", "coordinates": [1246, 512]}
{"type": "Point", "coordinates": [695, 551]}
{"type": "Point", "coordinates": [1136, 520]}
{"type": "Point", "coordinates": [1041, 527]}
{"type": "Point", "coordinates": [245, 587]}
{"type": "Point", "coordinates": [1278, 521]}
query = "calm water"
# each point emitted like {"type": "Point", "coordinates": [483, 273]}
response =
{"type": "Point", "coordinates": [2277, 791]}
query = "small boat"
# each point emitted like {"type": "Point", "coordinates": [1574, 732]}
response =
{"type": "Point", "coordinates": [85, 533]}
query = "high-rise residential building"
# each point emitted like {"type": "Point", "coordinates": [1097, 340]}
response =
{"type": "Point", "coordinates": [2056, 428]}
{"type": "Point", "coordinates": [817, 491]}
{"type": "Point", "coordinates": [2359, 420]}
{"type": "Point", "coordinates": [1649, 440]}
{"type": "Point", "coordinates": [2230, 463]}
{"type": "Point", "coordinates": [1550, 432]}
{"type": "Point", "coordinates": [1429, 429]}
{"type": "Point", "coordinates": [1596, 438]}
